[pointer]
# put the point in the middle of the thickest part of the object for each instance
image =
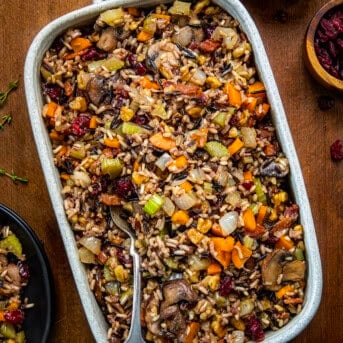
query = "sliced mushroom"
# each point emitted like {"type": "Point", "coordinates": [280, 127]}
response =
{"type": "Point", "coordinates": [107, 40]}
{"type": "Point", "coordinates": [278, 167]}
{"type": "Point", "coordinates": [151, 318]}
{"type": "Point", "coordinates": [174, 322]}
{"type": "Point", "coordinates": [97, 89]}
{"type": "Point", "coordinates": [178, 290]}
{"type": "Point", "coordinates": [13, 273]}
{"type": "Point", "coordinates": [272, 268]}
{"type": "Point", "coordinates": [294, 271]}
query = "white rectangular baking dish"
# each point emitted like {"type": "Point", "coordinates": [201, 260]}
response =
{"type": "Point", "coordinates": [34, 101]}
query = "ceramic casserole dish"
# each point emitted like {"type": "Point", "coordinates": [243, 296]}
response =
{"type": "Point", "coordinates": [34, 98]}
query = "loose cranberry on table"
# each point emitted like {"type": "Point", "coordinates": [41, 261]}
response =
{"type": "Point", "coordinates": [336, 150]}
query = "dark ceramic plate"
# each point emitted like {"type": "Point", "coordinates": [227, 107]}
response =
{"type": "Point", "coordinates": [39, 289]}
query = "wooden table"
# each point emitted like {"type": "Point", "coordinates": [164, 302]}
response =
{"type": "Point", "coordinates": [313, 132]}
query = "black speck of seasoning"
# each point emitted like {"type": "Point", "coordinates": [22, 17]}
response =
{"type": "Point", "coordinates": [281, 16]}
{"type": "Point", "coordinates": [12, 258]}
{"type": "Point", "coordinates": [325, 102]}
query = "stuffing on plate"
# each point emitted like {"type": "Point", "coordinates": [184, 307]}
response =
{"type": "Point", "coordinates": [161, 111]}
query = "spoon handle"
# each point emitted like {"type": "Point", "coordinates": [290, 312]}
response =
{"type": "Point", "coordinates": [135, 334]}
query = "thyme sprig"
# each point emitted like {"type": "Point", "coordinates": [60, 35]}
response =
{"type": "Point", "coordinates": [5, 119]}
{"type": "Point", "coordinates": [13, 176]}
{"type": "Point", "coordinates": [3, 95]}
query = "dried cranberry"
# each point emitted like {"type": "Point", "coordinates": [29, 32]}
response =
{"type": "Point", "coordinates": [247, 185]}
{"type": "Point", "coordinates": [208, 30]}
{"type": "Point", "coordinates": [140, 120]}
{"type": "Point", "coordinates": [122, 258]}
{"type": "Point", "coordinates": [140, 69]}
{"type": "Point", "coordinates": [226, 286]}
{"type": "Point", "coordinates": [194, 45]}
{"type": "Point", "coordinates": [254, 329]}
{"type": "Point", "coordinates": [132, 59]}
{"type": "Point", "coordinates": [24, 270]}
{"type": "Point", "coordinates": [14, 317]}
{"type": "Point", "coordinates": [326, 102]}
{"type": "Point", "coordinates": [122, 93]}
{"type": "Point", "coordinates": [336, 150]}
{"type": "Point", "coordinates": [124, 188]}
{"type": "Point", "coordinates": [92, 54]}
{"type": "Point", "coordinates": [54, 91]}
{"type": "Point", "coordinates": [80, 125]}
{"type": "Point", "coordinates": [271, 240]}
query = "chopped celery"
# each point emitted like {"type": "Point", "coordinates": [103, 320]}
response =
{"type": "Point", "coordinates": [129, 128]}
{"type": "Point", "coordinates": [20, 337]}
{"type": "Point", "coordinates": [111, 64]}
{"type": "Point", "coordinates": [111, 166]}
{"type": "Point", "coordinates": [180, 8]}
{"type": "Point", "coordinates": [113, 17]}
{"type": "Point", "coordinates": [7, 330]}
{"type": "Point", "coordinates": [248, 242]}
{"type": "Point", "coordinates": [150, 25]}
{"type": "Point", "coordinates": [254, 208]}
{"type": "Point", "coordinates": [45, 73]}
{"type": "Point", "coordinates": [220, 118]}
{"type": "Point", "coordinates": [159, 111]}
{"type": "Point", "coordinates": [112, 288]}
{"type": "Point", "coordinates": [108, 276]}
{"type": "Point", "coordinates": [153, 204]}
{"type": "Point", "coordinates": [299, 254]}
{"type": "Point", "coordinates": [78, 151]}
{"type": "Point", "coordinates": [259, 191]}
{"type": "Point", "coordinates": [216, 149]}
{"type": "Point", "coordinates": [171, 263]}
{"type": "Point", "coordinates": [12, 244]}
{"type": "Point", "coordinates": [208, 187]}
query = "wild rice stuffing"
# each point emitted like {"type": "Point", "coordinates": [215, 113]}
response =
{"type": "Point", "coordinates": [160, 111]}
{"type": "Point", "coordinates": [14, 276]}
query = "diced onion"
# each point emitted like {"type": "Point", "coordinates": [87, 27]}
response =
{"type": "Point", "coordinates": [198, 77]}
{"type": "Point", "coordinates": [185, 201]}
{"type": "Point", "coordinates": [162, 161]}
{"type": "Point", "coordinates": [86, 256]}
{"type": "Point", "coordinates": [246, 307]}
{"type": "Point", "coordinates": [168, 206]}
{"type": "Point", "coordinates": [228, 222]}
{"type": "Point", "coordinates": [91, 243]}
{"type": "Point", "coordinates": [221, 32]}
{"type": "Point", "coordinates": [233, 199]}
{"type": "Point", "coordinates": [249, 137]}
{"type": "Point", "coordinates": [238, 336]}
{"type": "Point", "coordinates": [197, 174]}
{"type": "Point", "coordinates": [81, 178]}
{"type": "Point", "coordinates": [196, 263]}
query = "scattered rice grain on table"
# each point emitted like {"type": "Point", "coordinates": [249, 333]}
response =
{"type": "Point", "coordinates": [161, 111]}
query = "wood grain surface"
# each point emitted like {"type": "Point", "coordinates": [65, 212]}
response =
{"type": "Point", "coordinates": [313, 132]}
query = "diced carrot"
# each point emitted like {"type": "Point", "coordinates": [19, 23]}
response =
{"type": "Point", "coordinates": [133, 11]}
{"type": "Point", "coordinates": [55, 136]}
{"type": "Point", "coordinates": [223, 244]}
{"type": "Point", "coordinates": [144, 36]}
{"type": "Point", "coordinates": [161, 142]}
{"type": "Point", "coordinates": [249, 220]}
{"type": "Point", "coordinates": [186, 186]}
{"type": "Point", "coordinates": [250, 104]}
{"type": "Point", "coordinates": [63, 150]}
{"type": "Point", "coordinates": [240, 254]}
{"type": "Point", "coordinates": [80, 43]}
{"type": "Point", "coordinates": [234, 95]}
{"type": "Point", "coordinates": [284, 242]}
{"type": "Point", "coordinates": [2, 316]}
{"type": "Point", "coordinates": [269, 149]}
{"type": "Point", "coordinates": [192, 331]}
{"type": "Point", "coordinates": [260, 230]}
{"type": "Point", "coordinates": [248, 175]}
{"type": "Point", "coordinates": [282, 292]}
{"type": "Point", "coordinates": [74, 54]}
{"type": "Point", "coordinates": [112, 143]}
{"type": "Point", "coordinates": [145, 82]}
{"type": "Point", "coordinates": [209, 45]}
{"type": "Point", "coordinates": [224, 258]}
{"type": "Point", "coordinates": [110, 199]}
{"type": "Point", "coordinates": [64, 176]}
{"type": "Point", "coordinates": [293, 301]}
{"type": "Point", "coordinates": [136, 165]}
{"type": "Point", "coordinates": [200, 137]}
{"type": "Point", "coordinates": [50, 109]}
{"type": "Point", "coordinates": [68, 88]}
{"type": "Point", "coordinates": [180, 217]}
{"type": "Point", "coordinates": [256, 89]}
{"type": "Point", "coordinates": [14, 305]}
{"type": "Point", "coordinates": [93, 122]}
{"type": "Point", "coordinates": [214, 268]}
{"type": "Point", "coordinates": [179, 163]}
{"type": "Point", "coordinates": [261, 215]}
{"type": "Point", "coordinates": [261, 113]}
{"type": "Point", "coordinates": [235, 146]}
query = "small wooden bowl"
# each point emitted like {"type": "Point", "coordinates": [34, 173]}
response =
{"type": "Point", "coordinates": [310, 56]}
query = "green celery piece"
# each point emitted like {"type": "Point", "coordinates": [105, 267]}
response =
{"type": "Point", "coordinates": [259, 191]}
{"type": "Point", "coordinates": [7, 330]}
{"type": "Point", "coordinates": [111, 64]}
{"type": "Point", "coordinates": [129, 128]}
{"type": "Point", "coordinates": [216, 149]}
{"type": "Point", "coordinates": [12, 244]}
{"type": "Point", "coordinates": [112, 166]}
{"type": "Point", "coordinates": [219, 119]}
{"type": "Point", "coordinates": [154, 203]}
{"type": "Point", "coordinates": [20, 337]}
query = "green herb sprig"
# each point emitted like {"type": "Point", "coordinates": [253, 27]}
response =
{"type": "Point", "coordinates": [13, 177]}
{"type": "Point", "coordinates": [5, 119]}
{"type": "Point", "coordinates": [3, 95]}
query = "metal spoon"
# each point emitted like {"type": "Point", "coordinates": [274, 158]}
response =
{"type": "Point", "coordinates": [135, 334]}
